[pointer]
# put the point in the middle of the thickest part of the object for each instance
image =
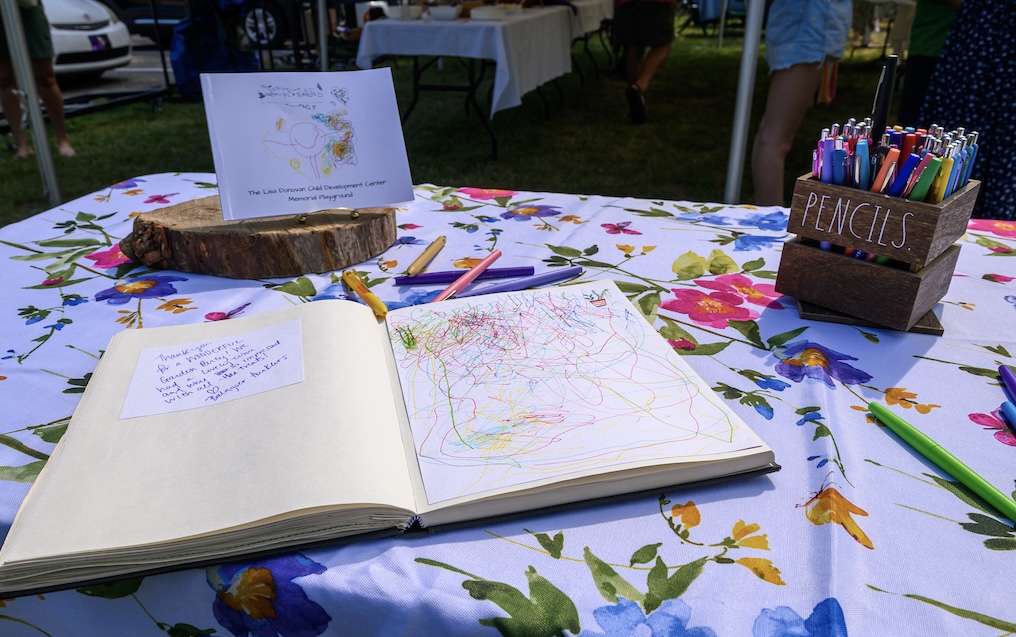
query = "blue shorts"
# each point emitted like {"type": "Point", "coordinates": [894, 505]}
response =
{"type": "Point", "coordinates": [806, 31]}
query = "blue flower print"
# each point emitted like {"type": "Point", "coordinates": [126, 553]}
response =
{"type": "Point", "coordinates": [712, 219]}
{"type": "Point", "coordinates": [626, 618]}
{"type": "Point", "coordinates": [333, 291]}
{"type": "Point", "coordinates": [142, 287]}
{"type": "Point", "coordinates": [805, 359]}
{"type": "Point", "coordinates": [775, 221]}
{"type": "Point", "coordinates": [414, 296]}
{"type": "Point", "coordinates": [409, 241]}
{"type": "Point", "coordinates": [768, 382]}
{"type": "Point", "coordinates": [262, 599]}
{"type": "Point", "coordinates": [825, 621]}
{"type": "Point", "coordinates": [748, 242]}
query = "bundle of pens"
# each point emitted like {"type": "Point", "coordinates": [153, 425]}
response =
{"type": "Point", "coordinates": [915, 164]}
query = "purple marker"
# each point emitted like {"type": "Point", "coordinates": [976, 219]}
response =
{"type": "Point", "coordinates": [450, 276]}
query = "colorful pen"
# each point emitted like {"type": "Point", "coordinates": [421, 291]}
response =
{"type": "Point", "coordinates": [355, 283]}
{"type": "Point", "coordinates": [1009, 411]}
{"type": "Point", "coordinates": [525, 283]}
{"type": "Point", "coordinates": [467, 278]}
{"type": "Point", "coordinates": [920, 190]}
{"type": "Point", "coordinates": [902, 177]}
{"type": "Point", "coordinates": [886, 171]}
{"type": "Point", "coordinates": [448, 276]}
{"type": "Point", "coordinates": [1008, 380]}
{"type": "Point", "coordinates": [934, 452]}
{"type": "Point", "coordinates": [425, 258]}
{"type": "Point", "coordinates": [916, 175]}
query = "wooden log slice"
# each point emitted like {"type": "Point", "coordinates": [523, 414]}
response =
{"type": "Point", "coordinates": [193, 237]}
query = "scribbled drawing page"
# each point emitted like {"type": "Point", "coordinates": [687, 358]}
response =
{"type": "Point", "coordinates": [507, 389]}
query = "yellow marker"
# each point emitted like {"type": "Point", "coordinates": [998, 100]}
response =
{"type": "Point", "coordinates": [353, 280]}
{"type": "Point", "coordinates": [938, 186]}
{"type": "Point", "coordinates": [425, 258]}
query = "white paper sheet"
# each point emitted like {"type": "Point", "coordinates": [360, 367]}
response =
{"type": "Point", "coordinates": [203, 373]}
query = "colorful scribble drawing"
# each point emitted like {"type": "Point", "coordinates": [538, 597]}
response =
{"type": "Point", "coordinates": [314, 145]}
{"type": "Point", "coordinates": [509, 389]}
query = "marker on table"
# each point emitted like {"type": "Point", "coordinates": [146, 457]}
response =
{"type": "Point", "coordinates": [467, 278]}
{"type": "Point", "coordinates": [1009, 411]}
{"type": "Point", "coordinates": [449, 276]}
{"type": "Point", "coordinates": [931, 450]}
{"type": "Point", "coordinates": [1008, 380]}
{"type": "Point", "coordinates": [544, 278]}
{"type": "Point", "coordinates": [427, 256]}
{"type": "Point", "coordinates": [353, 280]}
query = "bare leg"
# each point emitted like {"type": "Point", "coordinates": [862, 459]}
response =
{"type": "Point", "coordinates": [12, 109]}
{"type": "Point", "coordinates": [49, 91]}
{"type": "Point", "coordinates": [790, 96]}
{"type": "Point", "coordinates": [650, 65]}
{"type": "Point", "coordinates": [633, 63]}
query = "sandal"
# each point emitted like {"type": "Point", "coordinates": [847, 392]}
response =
{"type": "Point", "coordinates": [636, 104]}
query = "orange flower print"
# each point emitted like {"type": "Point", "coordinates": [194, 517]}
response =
{"type": "Point", "coordinates": [687, 513]}
{"type": "Point", "coordinates": [763, 569]}
{"type": "Point", "coordinates": [829, 506]}
{"type": "Point", "coordinates": [743, 535]}
{"type": "Point", "coordinates": [905, 399]}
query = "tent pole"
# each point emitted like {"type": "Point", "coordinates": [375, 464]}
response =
{"type": "Point", "coordinates": [742, 109]}
{"type": "Point", "coordinates": [26, 82]}
{"type": "Point", "coordinates": [324, 23]}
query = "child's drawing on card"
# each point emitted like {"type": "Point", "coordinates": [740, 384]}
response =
{"type": "Point", "coordinates": [313, 132]}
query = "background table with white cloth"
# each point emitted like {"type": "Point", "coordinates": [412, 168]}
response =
{"type": "Point", "coordinates": [856, 535]}
{"type": "Point", "coordinates": [530, 48]}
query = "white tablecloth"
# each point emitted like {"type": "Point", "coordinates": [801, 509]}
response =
{"type": "Point", "coordinates": [591, 14]}
{"type": "Point", "coordinates": [530, 49]}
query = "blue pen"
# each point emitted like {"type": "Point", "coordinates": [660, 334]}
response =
{"type": "Point", "coordinates": [544, 278]}
{"type": "Point", "coordinates": [862, 165]}
{"type": "Point", "coordinates": [1009, 411]}
{"type": "Point", "coordinates": [899, 183]}
{"type": "Point", "coordinates": [1008, 381]}
{"type": "Point", "coordinates": [954, 178]}
{"type": "Point", "coordinates": [972, 148]}
{"type": "Point", "coordinates": [839, 163]}
{"type": "Point", "coordinates": [827, 160]}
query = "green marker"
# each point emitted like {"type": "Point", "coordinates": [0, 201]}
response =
{"type": "Point", "coordinates": [920, 189]}
{"type": "Point", "coordinates": [931, 450]}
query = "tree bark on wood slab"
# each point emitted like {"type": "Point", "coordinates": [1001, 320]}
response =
{"type": "Point", "coordinates": [193, 237]}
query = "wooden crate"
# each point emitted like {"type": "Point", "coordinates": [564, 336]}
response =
{"type": "Point", "coordinates": [908, 231]}
{"type": "Point", "coordinates": [918, 239]}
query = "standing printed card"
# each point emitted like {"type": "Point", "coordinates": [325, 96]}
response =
{"type": "Point", "coordinates": [293, 143]}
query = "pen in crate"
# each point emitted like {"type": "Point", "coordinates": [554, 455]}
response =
{"type": "Point", "coordinates": [916, 164]}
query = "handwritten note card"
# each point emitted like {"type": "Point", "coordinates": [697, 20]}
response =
{"type": "Point", "coordinates": [203, 373]}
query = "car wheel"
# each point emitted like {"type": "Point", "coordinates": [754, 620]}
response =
{"type": "Point", "coordinates": [263, 23]}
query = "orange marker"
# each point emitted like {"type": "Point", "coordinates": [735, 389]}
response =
{"type": "Point", "coordinates": [353, 280]}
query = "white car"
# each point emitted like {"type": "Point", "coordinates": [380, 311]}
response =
{"type": "Point", "coordinates": [88, 38]}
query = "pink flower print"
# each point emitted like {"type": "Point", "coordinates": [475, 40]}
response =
{"type": "Point", "coordinates": [763, 294]}
{"type": "Point", "coordinates": [486, 194]}
{"type": "Point", "coordinates": [109, 258]}
{"type": "Point", "coordinates": [994, 421]}
{"type": "Point", "coordinates": [221, 316]}
{"type": "Point", "coordinates": [712, 310]}
{"type": "Point", "coordinates": [619, 228]}
{"type": "Point", "coordinates": [997, 227]}
{"type": "Point", "coordinates": [160, 198]}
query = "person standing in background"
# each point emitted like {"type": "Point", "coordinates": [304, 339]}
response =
{"type": "Point", "coordinates": [971, 87]}
{"type": "Point", "coordinates": [638, 25]}
{"type": "Point", "coordinates": [928, 31]}
{"type": "Point", "coordinates": [801, 35]}
{"type": "Point", "coordinates": [40, 50]}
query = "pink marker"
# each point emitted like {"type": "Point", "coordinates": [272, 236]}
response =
{"type": "Point", "coordinates": [467, 277]}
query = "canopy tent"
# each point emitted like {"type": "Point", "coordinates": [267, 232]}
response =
{"type": "Point", "coordinates": [742, 107]}
{"type": "Point", "coordinates": [26, 82]}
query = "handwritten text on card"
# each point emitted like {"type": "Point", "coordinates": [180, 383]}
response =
{"type": "Point", "coordinates": [203, 373]}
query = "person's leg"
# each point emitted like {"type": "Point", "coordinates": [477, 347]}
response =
{"type": "Point", "coordinates": [650, 65]}
{"type": "Point", "coordinates": [790, 96]}
{"type": "Point", "coordinates": [49, 91]}
{"type": "Point", "coordinates": [11, 105]}
{"type": "Point", "coordinates": [633, 63]}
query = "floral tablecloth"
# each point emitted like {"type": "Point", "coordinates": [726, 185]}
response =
{"type": "Point", "coordinates": [856, 535]}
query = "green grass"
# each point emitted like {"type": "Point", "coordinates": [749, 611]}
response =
{"type": "Point", "coordinates": [583, 146]}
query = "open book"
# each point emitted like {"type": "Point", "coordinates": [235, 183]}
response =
{"type": "Point", "coordinates": [198, 443]}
